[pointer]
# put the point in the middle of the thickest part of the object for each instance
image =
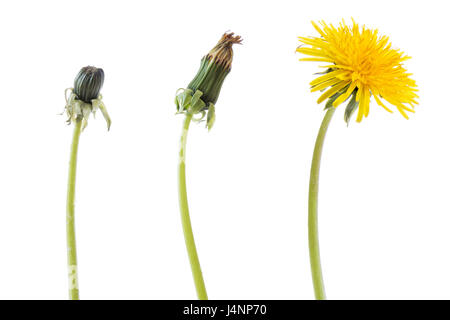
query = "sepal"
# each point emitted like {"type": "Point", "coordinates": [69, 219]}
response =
{"type": "Point", "coordinates": [76, 109]}
{"type": "Point", "coordinates": [351, 108]}
{"type": "Point", "coordinates": [211, 117]}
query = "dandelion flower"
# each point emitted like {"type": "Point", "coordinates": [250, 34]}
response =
{"type": "Point", "coordinates": [359, 64]}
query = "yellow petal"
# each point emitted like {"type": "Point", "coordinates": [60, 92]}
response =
{"type": "Point", "coordinates": [332, 91]}
{"type": "Point", "coordinates": [381, 104]}
{"type": "Point", "coordinates": [367, 101]}
{"type": "Point", "coordinates": [326, 77]}
{"type": "Point", "coordinates": [345, 96]}
{"type": "Point", "coordinates": [312, 52]}
{"type": "Point", "coordinates": [326, 84]}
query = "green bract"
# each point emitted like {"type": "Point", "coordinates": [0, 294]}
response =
{"type": "Point", "coordinates": [351, 106]}
{"type": "Point", "coordinates": [192, 103]}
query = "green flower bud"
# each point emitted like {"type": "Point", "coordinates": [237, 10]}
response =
{"type": "Point", "coordinates": [203, 91]}
{"type": "Point", "coordinates": [85, 97]}
{"type": "Point", "coordinates": [214, 68]}
{"type": "Point", "coordinates": [88, 83]}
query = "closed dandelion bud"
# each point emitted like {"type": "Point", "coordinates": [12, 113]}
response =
{"type": "Point", "coordinates": [203, 91]}
{"type": "Point", "coordinates": [88, 83]}
{"type": "Point", "coordinates": [85, 97]}
{"type": "Point", "coordinates": [81, 100]}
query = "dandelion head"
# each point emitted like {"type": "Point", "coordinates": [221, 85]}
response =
{"type": "Point", "coordinates": [359, 64]}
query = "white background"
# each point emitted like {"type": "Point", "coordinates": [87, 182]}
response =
{"type": "Point", "coordinates": [384, 194]}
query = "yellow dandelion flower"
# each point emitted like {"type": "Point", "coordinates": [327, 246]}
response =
{"type": "Point", "coordinates": [361, 64]}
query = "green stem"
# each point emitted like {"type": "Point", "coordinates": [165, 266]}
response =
{"type": "Point", "coordinates": [313, 229]}
{"type": "Point", "coordinates": [185, 219]}
{"type": "Point", "coordinates": [70, 217]}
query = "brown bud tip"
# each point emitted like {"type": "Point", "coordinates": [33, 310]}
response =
{"type": "Point", "coordinates": [222, 53]}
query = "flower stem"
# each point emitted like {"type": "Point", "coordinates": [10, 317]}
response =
{"type": "Point", "coordinates": [313, 229]}
{"type": "Point", "coordinates": [70, 217]}
{"type": "Point", "coordinates": [185, 219]}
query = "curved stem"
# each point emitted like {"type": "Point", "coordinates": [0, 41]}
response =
{"type": "Point", "coordinates": [313, 229]}
{"type": "Point", "coordinates": [70, 217]}
{"type": "Point", "coordinates": [185, 219]}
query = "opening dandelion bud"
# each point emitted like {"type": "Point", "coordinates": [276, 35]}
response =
{"type": "Point", "coordinates": [203, 91]}
{"type": "Point", "coordinates": [196, 102]}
